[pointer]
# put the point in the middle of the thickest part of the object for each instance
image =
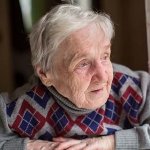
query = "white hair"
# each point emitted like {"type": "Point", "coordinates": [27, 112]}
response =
{"type": "Point", "coordinates": [53, 28]}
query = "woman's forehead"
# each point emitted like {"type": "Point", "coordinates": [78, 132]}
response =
{"type": "Point", "coordinates": [79, 43]}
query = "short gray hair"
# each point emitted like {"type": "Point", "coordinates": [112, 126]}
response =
{"type": "Point", "coordinates": [53, 28]}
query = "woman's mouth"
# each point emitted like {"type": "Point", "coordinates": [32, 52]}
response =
{"type": "Point", "coordinates": [97, 90]}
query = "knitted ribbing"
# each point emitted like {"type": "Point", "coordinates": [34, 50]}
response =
{"type": "Point", "coordinates": [67, 104]}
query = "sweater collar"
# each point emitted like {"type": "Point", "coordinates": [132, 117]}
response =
{"type": "Point", "coordinates": [66, 104]}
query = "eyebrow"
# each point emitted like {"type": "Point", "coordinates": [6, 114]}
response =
{"type": "Point", "coordinates": [70, 61]}
{"type": "Point", "coordinates": [108, 46]}
{"type": "Point", "coordinates": [76, 56]}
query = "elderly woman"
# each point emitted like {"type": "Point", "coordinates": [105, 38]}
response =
{"type": "Point", "coordinates": [79, 101]}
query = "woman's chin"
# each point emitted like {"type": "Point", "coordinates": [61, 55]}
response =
{"type": "Point", "coordinates": [93, 106]}
{"type": "Point", "coordinates": [96, 103]}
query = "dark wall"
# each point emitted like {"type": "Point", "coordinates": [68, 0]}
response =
{"type": "Point", "coordinates": [130, 42]}
{"type": "Point", "coordinates": [129, 45]}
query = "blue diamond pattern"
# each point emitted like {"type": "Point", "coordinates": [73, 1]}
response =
{"type": "Point", "coordinates": [109, 113]}
{"type": "Point", "coordinates": [27, 116]}
{"type": "Point", "coordinates": [94, 126]}
{"type": "Point", "coordinates": [23, 125]}
{"type": "Point", "coordinates": [110, 105]}
{"type": "Point", "coordinates": [98, 118]}
{"type": "Point", "coordinates": [87, 121]}
{"type": "Point", "coordinates": [29, 129]}
{"type": "Point", "coordinates": [63, 121]}
{"type": "Point", "coordinates": [111, 131]}
{"type": "Point", "coordinates": [34, 122]}
{"type": "Point", "coordinates": [42, 101]}
{"type": "Point", "coordinates": [10, 107]}
{"type": "Point", "coordinates": [92, 120]}
{"type": "Point", "coordinates": [60, 119]}
{"type": "Point", "coordinates": [123, 79]}
{"type": "Point", "coordinates": [133, 113]}
{"type": "Point", "coordinates": [111, 110]}
{"type": "Point", "coordinates": [28, 123]}
{"type": "Point", "coordinates": [46, 136]}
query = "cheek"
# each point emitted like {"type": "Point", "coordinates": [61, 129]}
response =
{"type": "Point", "coordinates": [83, 79]}
{"type": "Point", "coordinates": [60, 81]}
{"type": "Point", "coordinates": [110, 74]}
{"type": "Point", "coordinates": [77, 88]}
{"type": "Point", "coordinates": [84, 76]}
{"type": "Point", "coordinates": [78, 84]}
{"type": "Point", "coordinates": [74, 83]}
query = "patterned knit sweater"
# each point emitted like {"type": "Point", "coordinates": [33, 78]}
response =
{"type": "Point", "coordinates": [37, 114]}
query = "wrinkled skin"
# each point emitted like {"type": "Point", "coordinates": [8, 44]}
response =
{"type": "Point", "coordinates": [83, 73]}
{"type": "Point", "coordinates": [83, 70]}
{"type": "Point", "coordinates": [98, 143]}
{"type": "Point", "coordinates": [41, 145]}
{"type": "Point", "coordinates": [60, 143]}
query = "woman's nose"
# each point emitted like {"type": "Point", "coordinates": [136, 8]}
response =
{"type": "Point", "coordinates": [99, 72]}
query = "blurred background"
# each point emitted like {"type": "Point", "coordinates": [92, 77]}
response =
{"type": "Point", "coordinates": [130, 46]}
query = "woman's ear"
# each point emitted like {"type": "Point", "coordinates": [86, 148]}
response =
{"type": "Point", "coordinates": [44, 77]}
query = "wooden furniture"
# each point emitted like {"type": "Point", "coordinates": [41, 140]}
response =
{"type": "Point", "coordinates": [6, 70]}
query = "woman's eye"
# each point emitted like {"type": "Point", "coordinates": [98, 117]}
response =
{"type": "Point", "coordinates": [83, 65]}
{"type": "Point", "coordinates": [106, 57]}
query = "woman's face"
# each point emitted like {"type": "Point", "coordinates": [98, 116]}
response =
{"type": "Point", "coordinates": [83, 68]}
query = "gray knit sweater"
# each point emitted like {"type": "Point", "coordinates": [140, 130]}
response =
{"type": "Point", "coordinates": [132, 130]}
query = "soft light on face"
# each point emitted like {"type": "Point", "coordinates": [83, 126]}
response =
{"type": "Point", "coordinates": [83, 68]}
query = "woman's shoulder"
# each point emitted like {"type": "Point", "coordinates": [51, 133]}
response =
{"type": "Point", "coordinates": [118, 68]}
{"type": "Point", "coordinates": [18, 92]}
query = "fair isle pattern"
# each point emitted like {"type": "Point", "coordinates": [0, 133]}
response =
{"type": "Point", "coordinates": [38, 116]}
{"type": "Point", "coordinates": [128, 90]}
